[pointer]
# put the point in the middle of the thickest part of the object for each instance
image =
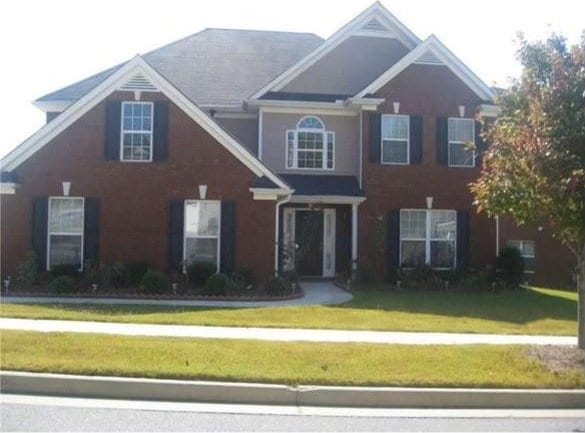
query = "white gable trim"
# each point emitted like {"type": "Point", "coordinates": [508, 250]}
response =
{"type": "Point", "coordinates": [354, 27]}
{"type": "Point", "coordinates": [137, 65]}
{"type": "Point", "coordinates": [435, 47]}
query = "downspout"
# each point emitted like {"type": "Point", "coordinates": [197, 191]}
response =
{"type": "Point", "coordinates": [497, 236]}
{"type": "Point", "coordinates": [286, 199]}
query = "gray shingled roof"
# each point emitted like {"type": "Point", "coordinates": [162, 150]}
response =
{"type": "Point", "coordinates": [215, 66]}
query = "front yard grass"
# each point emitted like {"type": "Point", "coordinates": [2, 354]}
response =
{"type": "Point", "coordinates": [277, 362]}
{"type": "Point", "coordinates": [531, 311]}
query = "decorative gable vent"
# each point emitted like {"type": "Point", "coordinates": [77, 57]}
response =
{"type": "Point", "coordinates": [138, 82]}
{"type": "Point", "coordinates": [429, 58]}
{"type": "Point", "coordinates": [375, 27]}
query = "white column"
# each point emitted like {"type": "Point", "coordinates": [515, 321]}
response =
{"type": "Point", "coordinates": [354, 236]}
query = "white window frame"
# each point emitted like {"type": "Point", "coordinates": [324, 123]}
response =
{"type": "Point", "coordinates": [294, 165]}
{"type": "Point", "coordinates": [428, 239]}
{"type": "Point", "coordinates": [520, 245]}
{"type": "Point", "coordinates": [449, 141]}
{"type": "Point", "coordinates": [49, 233]}
{"type": "Point", "coordinates": [122, 131]}
{"type": "Point", "coordinates": [185, 237]}
{"type": "Point", "coordinates": [382, 138]}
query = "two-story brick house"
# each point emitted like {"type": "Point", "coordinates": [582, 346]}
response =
{"type": "Point", "coordinates": [238, 147]}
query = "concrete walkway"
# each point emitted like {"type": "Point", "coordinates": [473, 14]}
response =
{"type": "Point", "coordinates": [279, 334]}
{"type": "Point", "coordinates": [316, 293]}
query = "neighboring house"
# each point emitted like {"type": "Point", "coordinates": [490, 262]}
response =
{"type": "Point", "coordinates": [238, 147]}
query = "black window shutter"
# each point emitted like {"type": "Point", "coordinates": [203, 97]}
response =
{"type": "Point", "coordinates": [39, 230]}
{"type": "Point", "coordinates": [91, 228]}
{"type": "Point", "coordinates": [176, 226]}
{"type": "Point", "coordinates": [442, 140]}
{"type": "Point", "coordinates": [228, 237]}
{"type": "Point", "coordinates": [113, 131]}
{"type": "Point", "coordinates": [160, 133]}
{"type": "Point", "coordinates": [480, 145]}
{"type": "Point", "coordinates": [416, 139]}
{"type": "Point", "coordinates": [463, 217]}
{"type": "Point", "coordinates": [394, 237]}
{"type": "Point", "coordinates": [375, 134]}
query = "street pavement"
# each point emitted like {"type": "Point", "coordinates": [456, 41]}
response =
{"type": "Point", "coordinates": [37, 413]}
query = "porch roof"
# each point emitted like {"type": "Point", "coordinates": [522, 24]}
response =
{"type": "Point", "coordinates": [323, 185]}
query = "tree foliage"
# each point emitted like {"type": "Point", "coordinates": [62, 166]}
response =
{"type": "Point", "coordinates": [534, 169]}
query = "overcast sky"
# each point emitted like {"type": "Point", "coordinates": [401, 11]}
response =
{"type": "Point", "coordinates": [46, 44]}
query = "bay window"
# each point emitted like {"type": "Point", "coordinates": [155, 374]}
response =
{"type": "Point", "coordinates": [202, 231]}
{"type": "Point", "coordinates": [310, 146]}
{"type": "Point", "coordinates": [427, 237]}
{"type": "Point", "coordinates": [65, 232]}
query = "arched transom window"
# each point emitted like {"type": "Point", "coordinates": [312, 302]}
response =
{"type": "Point", "coordinates": [310, 145]}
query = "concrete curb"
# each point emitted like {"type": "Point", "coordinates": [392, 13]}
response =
{"type": "Point", "coordinates": [253, 393]}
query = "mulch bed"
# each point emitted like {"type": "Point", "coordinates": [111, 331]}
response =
{"type": "Point", "coordinates": [42, 292]}
{"type": "Point", "coordinates": [558, 359]}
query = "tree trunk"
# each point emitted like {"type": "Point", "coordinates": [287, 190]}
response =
{"type": "Point", "coordinates": [581, 301]}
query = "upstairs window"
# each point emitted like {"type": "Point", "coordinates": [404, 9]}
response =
{"type": "Point", "coordinates": [136, 140]}
{"type": "Point", "coordinates": [461, 142]}
{"type": "Point", "coordinates": [310, 146]}
{"type": "Point", "coordinates": [65, 232]}
{"type": "Point", "coordinates": [528, 252]}
{"type": "Point", "coordinates": [395, 139]}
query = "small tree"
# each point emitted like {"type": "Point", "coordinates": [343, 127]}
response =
{"type": "Point", "coordinates": [534, 169]}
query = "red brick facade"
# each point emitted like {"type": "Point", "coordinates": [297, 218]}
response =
{"type": "Point", "coordinates": [135, 197]}
{"type": "Point", "coordinates": [430, 92]}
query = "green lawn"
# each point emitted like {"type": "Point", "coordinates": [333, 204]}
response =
{"type": "Point", "coordinates": [275, 362]}
{"type": "Point", "coordinates": [531, 311]}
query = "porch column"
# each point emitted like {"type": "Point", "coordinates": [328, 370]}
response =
{"type": "Point", "coordinates": [354, 236]}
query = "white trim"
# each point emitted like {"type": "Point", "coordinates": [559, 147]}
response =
{"type": "Point", "coordinates": [8, 188]}
{"type": "Point", "coordinates": [394, 139]}
{"type": "Point", "coordinates": [260, 131]}
{"type": "Point", "coordinates": [364, 104]}
{"type": "Point", "coordinates": [234, 115]}
{"type": "Point", "coordinates": [109, 85]}
{"type": "Point", "coordinates": [122, 131]}
{"type": "Point", "coordinates": [335, 110]}
{"type": "Point", "coordinates": [354, 236]}
{"type": "Point", "coordinates": [269, 193]}
{"type": "Point", "coordinates": [434, 45]}
{"type": "Point", "coordinates": [326, 199]}
{"type": "Point", "coordinates": [329, 236]}
{"type": "Point", "coordinates": [49, 233]}
{"type": "Point", "coordinates": [375, 11]}
{"type": "Point", "coordinates": [56, 106]}
{"type": "Point", "coordinates": [218, 237]}
{"type": "Point", "coordinates": [489, 110]}
{"type": "Point", "coordinates": [449, 142]}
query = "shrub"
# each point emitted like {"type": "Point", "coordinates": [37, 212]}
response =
{"type": "Point", "coordinates": [91, 271]}
{"type": "Point", "coordinates": [245, 275]}
{"type": "Point", "coordinates": [199, 272]}
{"type": "Point", "coordinates": [423, 277]}
{"type": "Point", "coordinates": [154, 282]}
{"type": "Point", "coordinates": [63, 284]}
{"type": "Point", "coordinates": [113, 275]}
{"type": "Point", "coordinates": [510, 267]}
{"type": "Point", "coordinates": [135, 272]}
{"type": "Point", "coordinates": [217, 284]}
{"type": "Point", "coordinates": [277, 286]}
{"type": "Point", "coordinates": [68, 270]}
{"type": "Point", "coordinates": [27, 272]}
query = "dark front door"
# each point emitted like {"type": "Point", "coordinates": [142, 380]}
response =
{"type": "Point", "coordinates": [309, 238]}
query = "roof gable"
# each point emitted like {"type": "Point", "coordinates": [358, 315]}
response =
{"type": "Point", "coordinates": [432, 52]}
{"type": "Point", "coordinates": [374, 21]}
{"type": "Point", "coordinates": [136, 72]}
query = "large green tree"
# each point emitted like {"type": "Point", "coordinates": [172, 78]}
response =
{"type": "Point", "coordinates": [534, 169]}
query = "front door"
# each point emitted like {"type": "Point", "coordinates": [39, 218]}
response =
{"type": "Point", "coordinates": [309, 240]}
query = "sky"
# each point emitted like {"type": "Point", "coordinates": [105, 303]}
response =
{"type": "Point", "coordinates": [46, 45]}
